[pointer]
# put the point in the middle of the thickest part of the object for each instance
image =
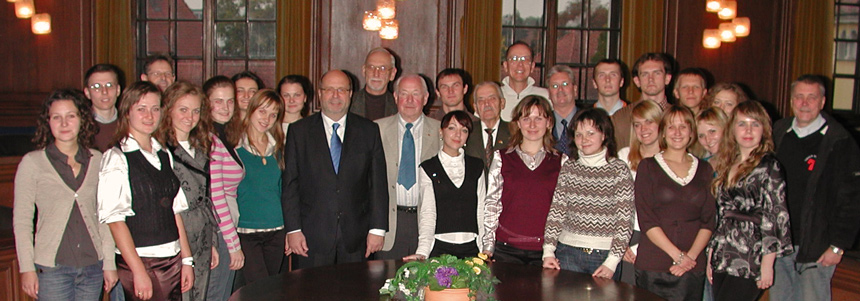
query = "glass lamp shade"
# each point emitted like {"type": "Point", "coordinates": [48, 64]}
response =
{"type": "Point", "coordinates": [41, 23]}
{"type": "Point", "coordinates": [711, 38]}
{"type": "Point", "coordinates": [742, 26]}
{"type": "Point", "coordinates": [24, 9]}
{"type": "Point", "coordinates": [713, 6]}
{"type": "Point", "coordinates": [729, 10]}
{"type": "Point", "coordinates": [727, 32]}
{"type": "Point", "coordinates": [385, 9]}
{"type": "Point", "coordinates": [389, 30]}
{"type": "Point", "coordinates": [371, 21]}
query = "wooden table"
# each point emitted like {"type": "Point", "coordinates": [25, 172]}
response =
{"type": "Point", "coordinates": [361, 281]}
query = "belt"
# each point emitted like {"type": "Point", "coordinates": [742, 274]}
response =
{"type": "Point", "coordinates": [408, 209]}
{"type": "Point", "coordinates": [742, 216]}
{"type": "Point", "coordinates": [588, 250]}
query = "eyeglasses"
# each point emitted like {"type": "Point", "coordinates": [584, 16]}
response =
{"type": "Point", "coordinates": [98, 86]}
{"type": "Point", "coordinates": [377, 68]}
{"type": "Point", "coordinates": [519, 59]}
{"type": "Point", "coordinates": [330, 91]}
{"type": "Point", "coordinates": [556, 86]}
{"type": "Point", "coordinates": [160, 74]}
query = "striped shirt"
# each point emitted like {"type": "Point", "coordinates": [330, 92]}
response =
{"type": "Point", "coordinates": [226, 174]}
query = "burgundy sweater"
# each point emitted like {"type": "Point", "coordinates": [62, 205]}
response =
{"type": "Point", "coordinates": [526, 198]}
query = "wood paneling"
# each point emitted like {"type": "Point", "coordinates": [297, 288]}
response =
{"type": "Point", "coordinates": [756, 61]}
{"type": "Point", "coordinates": [33, 65]}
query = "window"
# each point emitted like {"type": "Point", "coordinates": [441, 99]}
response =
{"type": "Point", "coordinates": [240, 35]}
{"type": "Point", "coordinates": [845, 75]}
{"type": "Point", "coordinates": [577, 33]}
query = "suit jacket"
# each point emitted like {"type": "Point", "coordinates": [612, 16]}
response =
{"type": "Point", "coordinates": [388, 129]}
{"type": "Point", "coordinates": [358, 105]}
{"type": "Point", "coordinates": [475, 144]}
{"type": "Point", "coordinates": [318, 201]}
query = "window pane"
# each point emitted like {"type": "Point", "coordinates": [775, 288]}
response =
{"type": "Point", "coordinates": [843, 93]}
{"type": "Point", "coordinates": [189, 10]}
{"type": "Point", "coordinates": [537, 75]}
{"type": "Point", "coordinates": [534, 37]}
{"type": "Point", "coordinates": [262, 40]}
{"type": "Point", "coordinates": [599, 17]}
{"type": "Point", "coordinates": [845, 67]}
{"type": "Point", "coordinates": [230, 39]}
{"type": "Point", "coordinates": [568, 47]}
{"type": "Point", "coordinates": [157, 9]}
{"type": "Point", "coordinates": [587, 91]}
{"type": "Point", "coordinates": [230, 10]}
{"type": "Point", "coordinates": [529, 13]}
{"type": "Point", "coordinates": [190, 70]}
{"type": "Point", "coordinates": [508, 12]}
{"type": "Point", "coordinates": [846, 51]}
{"type": "Point", "coordinates": [598, 46]}
{"type": "Point", "coordinates": [846, 18]}
{"type": "Point", "coordinates": [265, 70]}
{"type": "Point", "coordinates": [569, 13]}
{"type": "Point", "coordinates": [261, 10]}
{"type": "Point", "coordinates": [229, 67]}
{"type": "Point", "coordinates": [158, 37]}
{"type": "Point", "coordinates": [189, 39]}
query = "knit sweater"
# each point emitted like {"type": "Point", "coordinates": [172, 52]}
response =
{"type": "Point", "coordinates": [225, 173]}
{"type": "Point", "coordinates": [592, 207]}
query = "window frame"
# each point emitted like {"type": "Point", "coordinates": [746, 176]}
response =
{"type": "Point", "coordinates": [855, 101]}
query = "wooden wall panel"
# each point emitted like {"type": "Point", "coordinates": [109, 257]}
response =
{"type": "Point", "coordinates": [755, 61]}
{"type": "Point", "coordinates": [33, 65]}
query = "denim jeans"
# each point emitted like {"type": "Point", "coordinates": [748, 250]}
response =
{"type": "Point", "coordinates": [117, 294]}
{"type": "Point", "coordinates": [576, 260]}
{"type": "Point", "coordinates": [221, 277]}
{"type": "Point", "coordinates": [800, 281]}
{"type": "Point", "coordinates": [70, 283]}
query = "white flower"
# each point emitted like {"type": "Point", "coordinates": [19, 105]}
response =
{"type": "Point", "coordinates": [404, 289]}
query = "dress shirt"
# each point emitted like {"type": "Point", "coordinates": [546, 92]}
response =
{"type": "Point", "coordinates": [114, 198]}
{"type": "Point", "coordinates": [455, 168]}
{"type": "Point", "coordinates": [484, 133]}
{"type": "Point", "coordinates": [812, 127]}
{"type": "Point", "coordinates": [410, 197]}
{"type": "Point", "coordinates": [512, 98]}
{"type": "Point", "coordinates": [558, 118]}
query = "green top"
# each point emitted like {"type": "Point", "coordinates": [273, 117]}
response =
{"type": "Point", "coordinates": [259, 194]}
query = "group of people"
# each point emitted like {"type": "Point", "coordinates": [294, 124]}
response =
{"type": "Point", "coordinates": [163, 190]}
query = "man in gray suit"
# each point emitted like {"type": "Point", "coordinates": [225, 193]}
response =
{"type": "Point", "coordinates": [494, 133]}
{"type": "Point", "coordinates": [374, 101]}
{"type": "Point", "coordinates": [408, 138]}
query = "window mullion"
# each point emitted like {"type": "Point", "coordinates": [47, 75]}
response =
{"type": "Point", "coordinates": [208, 38]}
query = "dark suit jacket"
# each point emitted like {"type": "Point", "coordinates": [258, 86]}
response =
{"type": "Point", "coordinates": [475, 144]}
{"type": "Point", "coordinates": [318, 201]}
{"type": "Point", "coordinates": [358, 105]}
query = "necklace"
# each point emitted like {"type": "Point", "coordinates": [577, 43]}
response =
{"type": "Point", "coordinates": [259, 153]}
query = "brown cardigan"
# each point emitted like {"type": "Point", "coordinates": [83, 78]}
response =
{"type": "Point", "coordinates": [679, 210]}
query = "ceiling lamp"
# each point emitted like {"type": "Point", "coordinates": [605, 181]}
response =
{"type": "Point", "coordinates": [713, 6]}
{"type": "Point", "coordinates": [711, 38]}
{"type": "Point", "coordinates": [742, 26]}
{"type": "Point", "coordinates": [729, 10]}
{"type": "Point", "coordinates": [41, 23]}
{"type": "Point", "coordinates": [24, 9]}
{"type": "Point", "coordinates": [727, 32]}
{"type": "Point", "coordinates": [385, 9]}
{"type": "Point", "coordinates": [371, 21]}
{"type": "Point", "coordinates": [389, 30]}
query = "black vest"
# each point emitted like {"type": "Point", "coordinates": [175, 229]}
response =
{"type": "Point", "coordinates": [456, 208]}
{"type": "Point", "coordinates": [152, 194]}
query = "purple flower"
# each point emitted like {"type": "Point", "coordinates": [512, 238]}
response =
{"type": "Point", "coordinates": [443, 275]}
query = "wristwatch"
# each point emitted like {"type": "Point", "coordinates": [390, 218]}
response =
{"type": "Point", "coordinates": [836, 250]}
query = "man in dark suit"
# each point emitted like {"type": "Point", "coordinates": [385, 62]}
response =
{"type": "Point", "coordinates": [334, 186]}
{"type": "Point", "coordinates": [494, 133]}
{"type": "Point", "coordinates": [562, 94]}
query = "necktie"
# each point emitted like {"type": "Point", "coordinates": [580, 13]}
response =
{"type": "Point", "coordinates": [335, 148]}
{"type": "Point", "coordinates": [563, 139]}
{"type": "Point", "coordinates": [488, 150]}
{"type": "Point", "coordinates": [406, 172]}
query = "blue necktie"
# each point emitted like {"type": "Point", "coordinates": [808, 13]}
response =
{"type": "Point", "coordinates": [563, 139]}
{"type": "Point", "coordinates": [335, 148]}
{"type": "Point", "coordinates": [406, 172]}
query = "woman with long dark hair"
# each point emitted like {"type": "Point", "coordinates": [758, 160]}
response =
{"type": "Point", "coordinates": [67, 255]}
{"type": "Point", "coordinates": [752, 216]}
{"type": "Point", "coordinates": [297, 92]}
{"type": "Point", "coordinates": [140, 199]}
{"type": "Point", "coordinates": [247, 84]}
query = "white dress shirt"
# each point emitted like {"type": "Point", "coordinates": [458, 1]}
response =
{"type": "Point", "coordinates": [410, 197]}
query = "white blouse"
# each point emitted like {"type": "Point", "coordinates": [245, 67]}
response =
{"type": "Point", "coordinates": [114, 192]}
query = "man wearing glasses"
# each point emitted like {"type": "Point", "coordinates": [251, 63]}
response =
{"type": "Point", "coordinates": [562, 95]}
{"type": "Point", "coordinates": [101, 86]}
{"type": "Point", "coordinates": [374, 101]}
{"type": "Point", "coordinates": [519, 64]}
{"type": "Point", "coordinates": [158, 69]}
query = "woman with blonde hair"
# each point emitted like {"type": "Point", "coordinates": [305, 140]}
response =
{"type": "Point", "coordinates": [752, 216]}
{"type": "Point", "coordinates": [726, 96]}
{"type": "Point", "coordinates": [710, 124]}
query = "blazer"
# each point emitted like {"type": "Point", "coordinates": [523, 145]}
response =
{"type": "Point", "coordinates": [358, 105]}
{"type": "Point", "coordinates": [475, 144]}
{"type": "Point", "coordinates": [388, 130]}
{"type": "Point", "coordinates": [317, 201]}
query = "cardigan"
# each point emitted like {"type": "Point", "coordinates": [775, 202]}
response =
{"type": "Point", "coordinates": [37, 185]}
{"type": "Point", "coordinates": [225, 174]}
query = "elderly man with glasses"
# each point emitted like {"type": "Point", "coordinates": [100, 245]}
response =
{"type": "Point", "coordinates": [375, 101]}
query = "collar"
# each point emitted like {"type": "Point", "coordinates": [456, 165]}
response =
{"type": "Point", "coordinates": [327, 122]}
{"type": "Point", "coordinates": [447, 160]}
{"type": "Point", "coordinates": [507, 80]}
{"type": "Point", "coordinates": [521, 152]}
{"type": "Point", "coordinates": [129, 144]}
{"type": "Point", "coordinates": [813, 126]}
{"type": "Point", "coordinates": [495, 128]}
{"type": "Point", "coordinates": [54, 153]}
{"type": "Point", "coordinates": [593, 160]}
{"type": "Point", "coordinates": [415, 124]}
{"type": "Point", "coordinates": [106, 120]}
{"type": "Point", "coordinates": [270, 147]}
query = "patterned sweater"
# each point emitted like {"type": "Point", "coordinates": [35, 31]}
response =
{"type": "Point", "coordinates": [592, 208]}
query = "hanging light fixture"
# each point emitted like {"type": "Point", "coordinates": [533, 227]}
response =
{"type": "Point", "coordinates": [742, 26]}
{"type": "Point", "coordinates": [713, 6]}
{"type": "Point", "coordinates": [24, 9]}
{"type": "Point", "coordinates": [11, 1]}
{"type": "Point", "coordinates": [711, 38]}
{"type": "Point", "coordinates": [371, 21]}
{"type": "Point", "coordinates": [389, 30]}
{"type": "Point", "coordinates": [41, 23]}
{"type": "Point", "coordinates": [729, 10]}
{"type": "Point", "coordinates": [727, 32]}
{"type": "Point", "coordinates": [385, 9]}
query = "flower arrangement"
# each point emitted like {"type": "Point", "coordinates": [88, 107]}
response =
{"type": "Point", "coordinates": [443, 272]}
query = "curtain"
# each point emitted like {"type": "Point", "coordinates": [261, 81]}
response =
{"type": "Point", "coordinates": [481, 39]}
{"type": "Point", "coordinates": [294, 38]}
{"type": "Point", "coordinates": [114, 36]}
{"type": "Point", "coordinates": [811, 42]}
{"type": "Point", "coordinates": [641, 32]}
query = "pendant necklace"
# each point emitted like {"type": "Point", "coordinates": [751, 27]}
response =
{"type": "Point", "coordinates": [259, 153]}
